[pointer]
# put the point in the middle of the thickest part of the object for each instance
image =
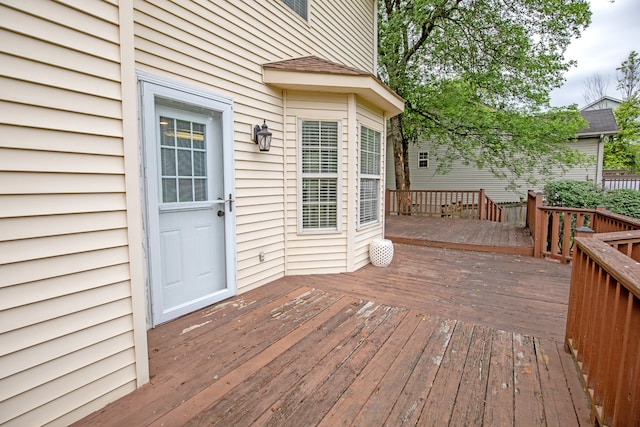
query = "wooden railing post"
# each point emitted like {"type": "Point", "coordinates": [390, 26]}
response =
{"type": "Point", "coordinates": [387, 195]}
{"type": "Point", "coordinates": [538, 224]}
{"type": "Point", "coordinates": [596, 223]}
{"type": "Point", "coordinates": [583, 232]}
{"type": "Point", "coordinates": [482, 205]}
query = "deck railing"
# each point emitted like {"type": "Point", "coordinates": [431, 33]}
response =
{"type": "Point", "coordinates": [631, 182]}
{"type": "Point", "coordinates": [553, 228]}
{"type": "Point", "coordinates": [443, 204]}
{"type": "Point", "coordinates": [603, 324]}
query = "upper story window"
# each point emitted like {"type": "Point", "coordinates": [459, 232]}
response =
{"type": "Point", "coordinates": [298, 6]}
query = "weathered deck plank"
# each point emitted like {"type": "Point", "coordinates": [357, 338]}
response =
{"type": "Point", "coordinates": [528, 404]}
{"type": "Point", "coordinates": [498, 410]}
{"type": "Point", "coordinates": [374, 347]}
{"type": "Point", "coordinates": [438, 410]}
{"type": "Point", "coordinates": [508, 292]}
{"type": "Point", "coordinates": [473, 385]}
{"type": "Point", "coordinates": [459, 234]}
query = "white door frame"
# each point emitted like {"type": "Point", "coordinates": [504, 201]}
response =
{"type": "Point", "coordinates": [151, 88]}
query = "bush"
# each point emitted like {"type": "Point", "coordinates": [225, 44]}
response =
{"type": "Point", "coordinates": [623, 201]}
{"type": "Point", "coordinates": [587, 195]}
{"type": "Point", "coordinates": [573, 194]}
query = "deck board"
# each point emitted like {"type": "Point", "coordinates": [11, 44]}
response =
{"type": "Point", "coordinates": [462, 234]}
{"type": "Point", "coordinates": [440, 337]}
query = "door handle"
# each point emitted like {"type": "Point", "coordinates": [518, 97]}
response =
{"type": "Point", "coordinates": [220, 213]}
{"type": "Point", "coordinates": [230, 202]}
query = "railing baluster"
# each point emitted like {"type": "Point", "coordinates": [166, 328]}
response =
{"type": "Point", "coordinates": [623, 410]}
{"type": "Point", "coordinates": [442, 203]}
{"type": "Point", "coordinates": [603, 325]}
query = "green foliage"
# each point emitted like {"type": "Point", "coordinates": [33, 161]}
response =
{"type": "Point", "coordinates": [587, 195]}
{"type": "Point", "coordinates": [573, 194]}
{"type": "Point", "coordinates": [629, 76]}
{"type": "Point", "coordinates": [476, 77]}
{"type": "Point", "coordinates": [623, 201]}
{"type": "Point", "coordinates": [623, 151]}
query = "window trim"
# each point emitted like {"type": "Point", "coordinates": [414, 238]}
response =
{"type": "Point", "coordinates": [297, 13]}
{"type": "Point", "coordinates": [377, 177]}
{"type": "Point", "coordinates": [301, 176]}
{"type": "Point", "coordinates": [420, 160]}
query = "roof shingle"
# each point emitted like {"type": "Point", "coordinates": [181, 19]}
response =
{"type": "Point", "coordinates": [313, 64]}
{"type": "Point", "coordinates": [600, 122]}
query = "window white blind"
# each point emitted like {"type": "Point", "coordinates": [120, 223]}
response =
{"type": "Point", "coordinates": [370, 166]}
{"type": "Point", "coordinates": [319, 162]}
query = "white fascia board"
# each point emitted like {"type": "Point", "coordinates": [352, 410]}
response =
{"type": "Point", "coordinates": [366, 87]}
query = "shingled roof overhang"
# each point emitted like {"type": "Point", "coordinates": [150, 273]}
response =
{"type": "Point", "coordinates": [313, 74]}
{"type": "Point", "coordinates": [600, 123]}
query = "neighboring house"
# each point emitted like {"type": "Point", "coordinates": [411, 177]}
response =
{"type": "Point", "coordinates": [423, 174]}
{"type": "Point", "coordinates": [131, 191]}
{"type": "Point", "coordinates": [602, 104]}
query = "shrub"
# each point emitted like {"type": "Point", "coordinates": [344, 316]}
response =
{"type": "Point", "coordinates": [587, 195]}
{"type": "Point", "coordinates": [573, 194]}
{"type": "Point", "coordinates": [623, 201]}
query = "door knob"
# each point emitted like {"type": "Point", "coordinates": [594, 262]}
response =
{"type": "Point", "coordinates": [220, 213]}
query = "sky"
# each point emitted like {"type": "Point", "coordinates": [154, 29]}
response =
{"type": "Point", "coordinates": [614, 32]}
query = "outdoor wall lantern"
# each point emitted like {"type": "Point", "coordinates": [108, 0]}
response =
{"type": "Point", "coordinates": [262, 136]}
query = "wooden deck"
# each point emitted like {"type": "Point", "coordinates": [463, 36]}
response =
{"type": "Point", "coordinates": [465, 234]}
{"type": "Point", "coordinates": [440, 337]}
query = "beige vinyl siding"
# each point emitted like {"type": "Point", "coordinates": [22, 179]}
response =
{"type": "Point", "coordinates": [220, 47]}
{"type": "Point", "coordinates": [352, 23]}
{"type": "Point", "coordinates": [373, 118]}
{"type": "Point", "coordinates": [311, 252]}
{"type": "Point", "coordinates": [66, 323]}
{"type": "Point", "coordinates": [464, 177]}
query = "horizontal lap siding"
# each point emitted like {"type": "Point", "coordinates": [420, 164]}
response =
{"type": "Point", "coordinates": [309, 252]}
{"type": "Point", "coordinates": [220, 47]}
{"type": "Point", "coordinates": [373, 118]}
{"type": "Point", "coordinates": [66, 337]}
{"type": "Point", "coordinates": [346, 33]}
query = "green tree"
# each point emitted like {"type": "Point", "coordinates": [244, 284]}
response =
{"type": "Point", "coordinates": [476, 76]}
{"type": "Point", "coordinates": [629, 76]}
{"type": "Point", "coordinates": [623, 151]}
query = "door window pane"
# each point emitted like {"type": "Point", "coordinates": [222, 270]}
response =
{"type": "Point", "coordinates": [167, 131]}
{"type": "Point", "coordinates": [169, 191]}
{"type": "Point", "coordinates": [168, 161]}
{"type": "Point", "coordinates": [199, 163]}
{"type": "Point", "coordinates": [198, 136]}
{"type": "Point", "coordinates": [183, 133]}
{"type": "Point", "coordinates": [185, 190]}
{"type": "Point", "coordinates": [200, 189]}
{"type": "Point", "coordinates": [184, 163]}
{"type": "Point", "coordinates": [183, 160]}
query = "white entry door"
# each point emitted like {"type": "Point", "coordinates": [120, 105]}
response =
{"type": "Point", "coordinates": [190, 206]}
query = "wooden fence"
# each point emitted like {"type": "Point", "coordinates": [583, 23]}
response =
{"type": "Point", "coordinates": [443, 204]}
{"type": "Point", "coordinates": [553, 228]}
{"type": "Point", "coordinates": [615, 179]}
{"type": "Point", "coordinates": [603, 324]}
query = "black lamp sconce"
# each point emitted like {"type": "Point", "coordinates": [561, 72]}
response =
{"type": "Point", "coordinates": [262, 136]}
